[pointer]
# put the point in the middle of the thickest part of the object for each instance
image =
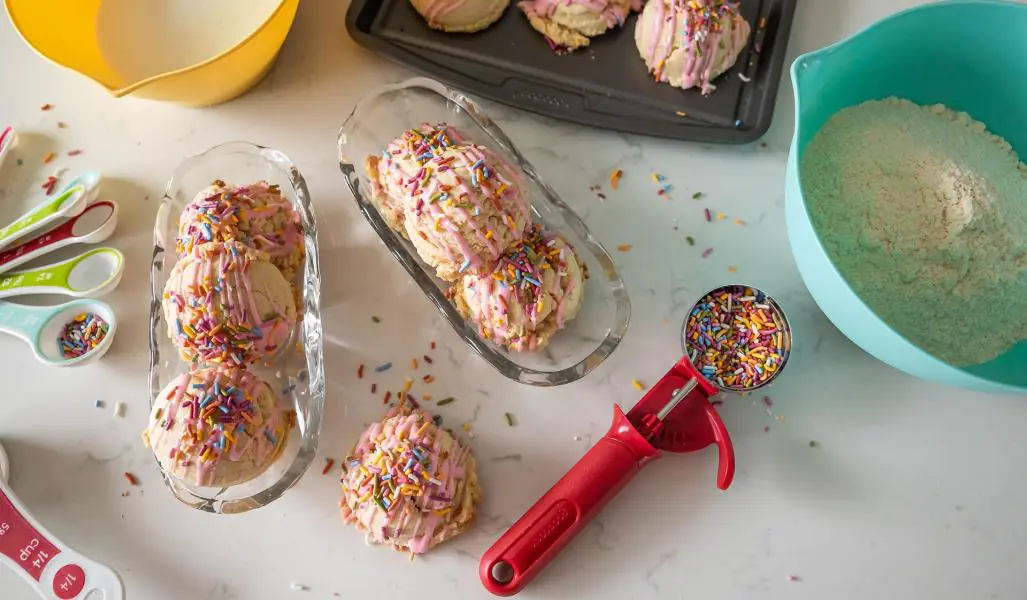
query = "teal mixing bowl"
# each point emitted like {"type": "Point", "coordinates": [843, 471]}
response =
{"type": "Point", "coordinates": [970, 55]}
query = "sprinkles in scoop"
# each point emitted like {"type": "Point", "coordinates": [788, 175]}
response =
{"type": "Point", "coordinates": [82, 334]}
{"type": "Point", "coordinates": [737, 337]}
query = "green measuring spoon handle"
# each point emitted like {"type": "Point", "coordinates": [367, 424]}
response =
{"type": "Point", "coordinates": [37, 214]}
{"type": "Point", "coordinates": [49, 276]}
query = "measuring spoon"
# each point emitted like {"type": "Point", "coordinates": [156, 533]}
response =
{"type": "Point", "coordinates": [8, 140]}
{"type": "Point", "coordinates": [51, 568]}
{"type": "Point", "coordinates": [95, 224]}
{"type": "Point", "coordinates": [88, 275]}
{"type": "Point", "coordinates": [41, 326]}
{"type": "Point", "coordinates": [68, 203]}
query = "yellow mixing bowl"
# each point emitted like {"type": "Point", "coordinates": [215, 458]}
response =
{"type": "Point", "coordinates": [67, 32]}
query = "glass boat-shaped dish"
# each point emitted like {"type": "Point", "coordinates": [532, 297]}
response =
{"type": "Point", "coordinates": [382, 116]}
{"type": "Point", "coordinates": [296, 373]}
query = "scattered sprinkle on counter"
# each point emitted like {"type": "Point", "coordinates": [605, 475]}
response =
{"type": "Point", "coordinates": [690, 240]}
{"type": "Point", "coordinates": [299, 587]}
{"type": "Point", "coordinates": [48, 157]}
{"type": "Point", "coordinates": [680, 113]}
{"type": "Point", "coordinates": [98, 404]}
{"type": "Point", "coordinates": [615, 179]}
{"type": "Point", "coordinates": [119, 409]}
{"type": "Point", "coordinates": [360, 371]}
{"type": "Point", "coordinates": [82, 334]}
{"type": "Point", "coordinates": [376, 319]}
{"type": "Point", "coordinates": [707, 252]}
{"type": "Point", "coordinates": [696, 195]}
{"type": "Point", "coordinates": [383, 368]}
{"type": "Point", "coordinates": [49, 185]}
{"type": "Point", "coordinates": [768, 401]}
{"type": "Point", "coordinates": [329, 463]}
{"type": "Point", "coordinates": [625, 248]}
{"type": "Point", "coordinates": [75, 152]}
{"type": "Point", "coordinates": [131, 479]}
{"type": "Point", "coordinates": [794, 578]}
{"type": "Point", "coordinates": [446, 401]}
{"type": "Point", "coordinates": [708, 215]}
{"type": "Point", "coordinates": [638, 384]}
{"type": "Point", "coordinates": [731, 269]}
{"type": "Point", "coordinates": [510, 421]}
{"type": "Point", "coordinates": [814, 444]}
{"type": "Point", "coordinates": [62, 125]}
{"type": "Point", "coordinates": [427, 359]}
{"type": "Point", "coordinates": [46, 106]}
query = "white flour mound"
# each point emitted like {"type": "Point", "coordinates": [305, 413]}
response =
{"type": "Point", "coordinates": [924, 212]}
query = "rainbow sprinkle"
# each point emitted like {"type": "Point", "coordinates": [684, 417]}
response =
{"type": "Point", "coordinates": [738, 338]}
{"type": "Point", "coordinates": [82, 334]}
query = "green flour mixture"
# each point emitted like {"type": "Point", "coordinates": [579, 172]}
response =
{"type": "Point", "coordinates": [924, 212]}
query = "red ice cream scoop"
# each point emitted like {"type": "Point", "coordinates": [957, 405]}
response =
{"type": "Point", "coordinates": [736, 338]}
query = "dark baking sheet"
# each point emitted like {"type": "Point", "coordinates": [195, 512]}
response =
{"type": "Point", "coordinates": [604, 85]}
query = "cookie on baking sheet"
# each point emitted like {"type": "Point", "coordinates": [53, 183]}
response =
{"type": "Point", "coordinates": [569, 24]}
{"type": "Point", "coordinates": [460, 16]}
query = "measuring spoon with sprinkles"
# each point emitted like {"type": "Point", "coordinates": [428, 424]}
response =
{"type": "Point", "coordinates": [74, 333]}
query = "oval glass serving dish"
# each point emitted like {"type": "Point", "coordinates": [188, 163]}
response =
{"type": "Point", "coordinates": [382, 116]}
{"type": "Point", "coordinates": [296, 373]}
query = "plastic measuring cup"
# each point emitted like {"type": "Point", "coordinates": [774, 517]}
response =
{"type": "Point", "coordinates": [41, 327]}
{"type": "Point", "coordinates": [94, 225]}
{"type": "Point", "coordinates": [51, 568]}
{"type": "Point", "coordinates": [90, 274]}
{"type": "Point", "coordinates": [675, 415]}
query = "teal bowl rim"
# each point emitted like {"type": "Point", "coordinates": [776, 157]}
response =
{"type": "Point", "coordinates": [971, 381]}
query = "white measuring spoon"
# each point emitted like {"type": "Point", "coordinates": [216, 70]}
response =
{"type": "Point", "coordinates": [71, 201]}
{"type": "Point", "coordinates": [94, 225]}
{"type": "Point", "coordinates": [52, 568]}
{"type": "Point", "coordinates": [88, 275]}
{"type": "Point", "coordinates": [8, 140]}
{"type": "Point", "coordinates": [41, 327]}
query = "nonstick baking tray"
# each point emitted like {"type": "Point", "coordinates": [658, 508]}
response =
{"type": "Point", "coordinates": [604, 85]}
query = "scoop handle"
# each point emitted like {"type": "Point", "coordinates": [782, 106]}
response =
{"type": "Point", "coordinates": [55, 571]}
{"type": "Point", "coordinates": [557, 518]}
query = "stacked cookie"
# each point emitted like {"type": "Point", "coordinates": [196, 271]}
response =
{"type": "Point", "coordinates": [467, 213]}
{"type": "Point", "coordinates": [229, 302]}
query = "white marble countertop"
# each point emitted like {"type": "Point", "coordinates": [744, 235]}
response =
{"type": "Point", "coordinates": [911, 491]}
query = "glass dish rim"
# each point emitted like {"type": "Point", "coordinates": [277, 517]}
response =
{"type": "Point", "coordinates": [410, 263]}
{"type": "Point", "coordinates": [311, 328]}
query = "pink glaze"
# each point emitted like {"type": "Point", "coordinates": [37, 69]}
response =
{"type": "Point", "coordinates": [203, 442]}
{"type": "Point", "coordinates": [419, 513]}
{"type": "Point", "coordinates": [700, 23]}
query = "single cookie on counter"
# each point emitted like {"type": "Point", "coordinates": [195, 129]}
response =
{"type": "Point", "coordinates": [460, 204]}
{"type": "Point", "coordinates": [689, 43]}
{"type": "Point", "coordinates": [256, 214]}
{"type": "Point", "coordinates": [460, 16]}
{"type": "Point", "coordinates": [217, 427]}
{"type": "Point", "coordinates": [569, 24]}
{"type": "Point", "coordinates": [409, 484]}
{"type": "Point", "coordinates": [536, 288]}
{"type": "Point", "coordinates": [226, 303]}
